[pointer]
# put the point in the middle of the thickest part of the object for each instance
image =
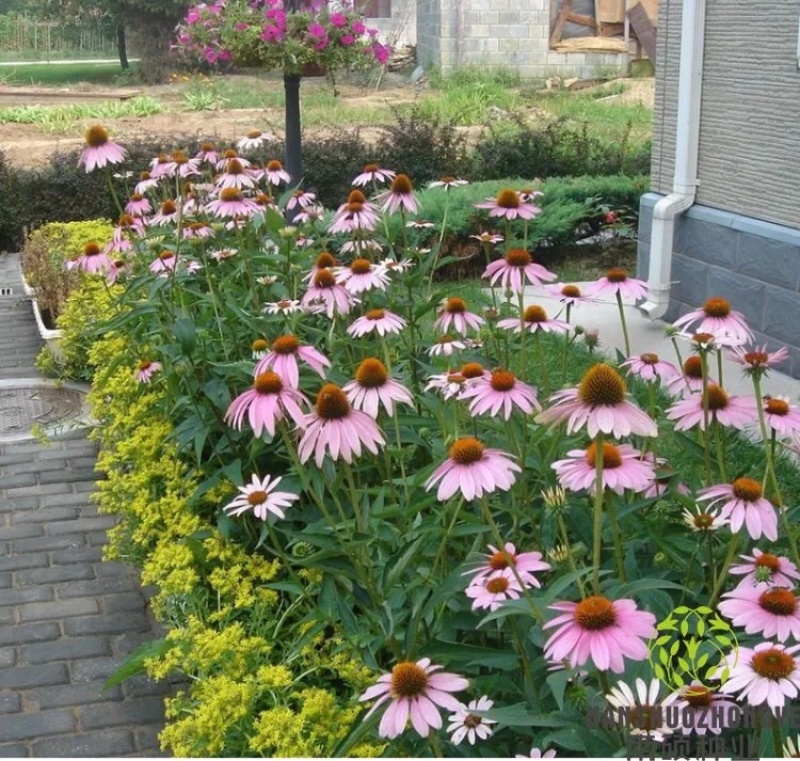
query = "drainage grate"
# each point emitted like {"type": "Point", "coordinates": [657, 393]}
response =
{"type": "Point", "coordinates": [6, 290]}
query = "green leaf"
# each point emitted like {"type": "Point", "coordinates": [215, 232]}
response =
{"type": "Point", "coordinates": [678, 680]}
{"type": "Point", "coordinates": [684, 627]}
{"type": "Point", "coordinates": [519, 716]}
{"type": "Point", "coordinates": [684, 664]}
{"type": "Point", "coordinates": [701, 627]}
{"type": "Point", "coordinates": [134, 663]}
{"type": "Point", "coordinates": [701, 661]}
{"type": "Point", "coordinates": [663, 656]}
{"type": "Point", "coordinates": [674, 648]}
{"type": "Point", "coordinates": [659, 671]}
{"type": "Point", "coordinates": [663, 639]}
{"type": "Point", "coordinates": [710, 673]}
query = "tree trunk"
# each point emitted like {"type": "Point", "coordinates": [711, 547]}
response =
{"type": "Point", "coordinates": [122, 46]}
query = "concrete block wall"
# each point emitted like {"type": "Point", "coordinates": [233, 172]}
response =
{"type": "Point", "coordinates": [754, 264]}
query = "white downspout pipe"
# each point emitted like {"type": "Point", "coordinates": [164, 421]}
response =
{"type": "Point", "coordinates": [684, 184]}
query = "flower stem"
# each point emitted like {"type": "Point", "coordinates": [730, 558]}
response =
{"type": "Point", "coordinates": [597, 544]}
{"type": "Point", "coordinates": [617, 534]}
{"type": "Point", "coordinates": [570, 557]}
{"type": "Point", "coordinates": [724, 572]}
{"type": "Point", "coordinates": [624, 325]}
{"type": "Point", "coordinates": [706, 431]}
{"type": "Point", "coordinates": [777, 738]}
{"type": "Point", "coordinates": [720, 453]}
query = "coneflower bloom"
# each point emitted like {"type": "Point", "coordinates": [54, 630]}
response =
{"type": "Point", "coordinates": [473, 470]}
{"type": "Point", "coordinates": [207, 154]}
{"type": "Point", "coordinates": [534, 319]}
{"type": "Point", "coordinates": [501, 390]}
{"type": "Point", "coordinates": [735, 411]}
{"type": "Point", "coordinates": [179, 164]}
{"type": "Point", "coordinates": [703, 519]}
{"type": "Point", "coordinates": [99, 150]}
{"type": "Point", "coordinates": [138, 205]}
{"type": "Point", "coordinates": [235, 176]}
{"type": "Point", "coordinates": [197, 231]}
{"type": "Point", "coordinates": [716, 317]}
{"type": "Point", "coordinates": [325, 261]}
{"type": "Point", "coordinates": [782, 417]}
{"type": "Point", "coordinates": [261, 497]}
{"type": "Point", "coordinates": [361, 275]}
{"type": "Point", "coordinates": [164, 263]}
{"type": "Point", "coordinates": [121, 267]}
{"type": "Point", "coordinates": [768, 673]}
{"type": "Point", "coordinates": [702, 701]}
{"type": "Point", "coordinates": [326, 295]}
{"type": "Point", "coordinates": [223, 254]}
{"type": "Point", "coordinates": [380, 321]}
{"type": "Point", "coordinates": [568, 294]}
{"type": "Point", "coordinates": [623, 469]}
{"type": "Point", "coordinates": [266, 403]}
{"type": "Point", "coordinates": [254, 140]}
{"type": "Point", "coordinates": [492, 591]}
{"type": "Point", "coordinates": [372, 173]}
{"type": "Point", "coordinates": [761, 609]}
{"type": "Point", "coordinates": [400, 196]}
{"type": "Point", "coordinates": [302, 199]}
{"type": "Point", "coordinates": [259, 348]}
{"type": "Point", "coordinates": [393, 265]}
{"type": "Point", "coordinates": [764, 567]}
{"type": "Point", "coordinates": [158, 165]}
{"type": "Point", "coordinates": [447, 183]}
{"type": "Point", "coordinates": [284, 306]}
{"type": "Point", "coordinates": [334, 427]}
{"type": "Point", "coordinates": [226, 156]}
{"type": "Point", "coordinates": [599, 403]}
{"type": "Point", "coordinates": [616, 281]}
{"type": "Point", "coordinates": [646, 711]}
{"type": "Point", "coordinates": [537, 753]}
{"type": "Point", "coordinates": [283, 356]}
{"type": "Point", "coordinates": [692, 379]}
{"type": "Point", "coordinates": [355, 214]}
{"type": "Point", "coordinates": [454, 312]}
{"type": "Point", "coordinates": [167, 214]}
{"type": "Point", "coordinates": [745, 505]}
{"type": "Point", "coordinates": [791, 748]}
{"type": "Point", "coordinates": [466, 724]}
{"type": "Point", "coordinates": [597, 628]}
{"type": "Point", "coordinates": [649, 367]}
{"type": "Point", "coordinates": [415, 690]}
{"type": "Point", "coordinates": [515, 269]}
{"type": "Point", "coordinates": [758, 360]}
{"type": "Point", "coordinates": [449, 384]}
{"type": "Point", "coordinates": [146, 370]}
{"type": "Point", "coordinates": [275, 173]}
{"type": "Point", "coordinates": [232, 203]}
{"type": "Point", "coordinates": [487, 237]}
{"type": "Point", "coordinates": [93, 260]}
{"type": "Point", "coordinates": [372, 388]}
{"type": "Point", "coordinates": [146, 183]}
{"type": "Point", "coordinates": [524, 565]}
{"type": "Point", "coordinates": [445, 346]}
{"type": "Point", "coordinates": [508, 205]}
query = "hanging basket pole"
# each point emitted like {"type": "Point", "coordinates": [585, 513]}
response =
{"type": "Point", "coordinates": [294, 148]}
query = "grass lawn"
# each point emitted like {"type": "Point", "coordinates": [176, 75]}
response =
{"type": "Point", "coordinates": [49, 74]}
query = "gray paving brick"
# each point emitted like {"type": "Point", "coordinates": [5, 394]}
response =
{"type": "Point", "coordinates": [45, 515]}
{"type": "Point", "coordinates": [20, 503]}
{"type": "Point", "coordinates": [21, 562]}
{"type": "Point", "coordinates": [114, 623]}
{"type": "Point", "coordinates": [147, 740]}
{"type": "Point", "coordinates": [13, 750]}
{"type": "Point", "coordinates": [5, 579]}
{"type": "Point", "coordinates": [97, 538]}
{"type": "Point", "coordinates": [66, 476]}
{"type": "Point", "coordinates": [40, 544]}
{"type": "Point", "coordinates": [79, 555]}
{"type": "Point", "coordinates": [24, 596]}
{"type": "Point", "coordinates": [82, 525]}
{"type": "Point", "coordinates": [86, 486]}
{"type": "Point", "coordinates": [130, 601]}
{"type": "Point", "coordinates": [10, 702]}
{"type": "Point", "coordinates": [72, 695]}
{"type": "Point", "coordinates": [110, 743]}
{"type": "Point", "coordinates": [8, 616]}
{"type": "Point", "coordinates": [64, 499]}
{"type": "Point", "coordinates": [22, 677]}
{"type": "Point", "coordinates": [54, 575]}
{"type": "Point", "coordinates": [99, 587]}
{"type": "Point", "coordinates": [38, 632]}
{"type": "Point", "coordinates": [39, 611]}
{"type": "Point", "coordinates": [15, 480]}
{"type": "Point", "coordinates": [94, 669]}
{"type": "Point", "coordinates": [35, 491]}
{"type": "Point", "coordinates": [132, 711]}
{"type": "Point", "coordinates": [8, 657]}
{"type": "Point", "coordinates": [65, 649]}
{"type": "Point", "coordinates": [21, 531]}
{"type": "Point", "coordinates": [142, 686]}
{"type": "Point", "coordinates": [29, 726]}
{"type": "Point", "coordinates": [115, 568]}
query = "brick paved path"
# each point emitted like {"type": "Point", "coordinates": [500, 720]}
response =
{"type": "Point", "coordinates": [67, 620]}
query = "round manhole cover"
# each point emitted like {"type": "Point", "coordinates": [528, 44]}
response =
{"type": "Point", "coordinates": [26, 407]}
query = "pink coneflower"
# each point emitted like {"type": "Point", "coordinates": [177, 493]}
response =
{"type": "Point", "coordinates": [535, 319]}
{"type": "Point", "coordinates": [164, 263]}
{"type": "Point", "coordinates": [336, 428]}
{"type": "Point", "coordinates": [99, 150]}
{"type": "Point", "coordinates": [508, 205]}
{"type": "Point", "coordinates": [735, 411]}
{"type": "Point", "coordinates": [226, 156]}
{"type": "Point", "coordinates": [360, 247]}
{"type": "Point", "coordinates": [266, 403]}
{"type": "Point", "coordinates": [207, 154]}
{"type": "Point", "coordinates": [232, 203]}
{"type": "Point", "coordinates": [782, 417]}
{"type": "Point", "coordinates": [502, 390]}
{"type": "Point", "coordinates": [716, 317]}
{"type": "Point", "coordinates": [414, 690]}
{"type": "Point", "coordinates": [275, 173]}
{"type": "Point", "coordinates": [758, 360]}
{"type": "Point", "coordinates": [597, 628]}
{"type": "Point", "coordinates": [537, 753]}
{"type": "Point", "coordinates": [764, 567]}
{"type": "Point", "coordinates": [146, 183]}
{"type": "Point", "coordinates": [356, 214]}
{"type": "Point", "coordinates": [121, 268]}
{"type": "Point", "coordinates": [309, 214]}
{"type": "Point", "coordinates": [283, 356]}
{"type": "Point", "coordinates": [568, 294]}
{"type": "Point", "coordinates": [524, 565]}
{"type": "Point", "coordinates": [420, 224]}
{"type": "Point", "coordinates": [702, 702]}
{"type": "Point", "coordinates": [325, 261]}
{"type": "Point", "coordinates": [449, 384]}
{"type": "Point", "coordinates": [692, 379]}
{"type": "Point", "coordinates": [284, 306]}
{"type": "Point", "coordinates": [447, 183]}
{"type": "Point", "coordinates": [646, 711]}
{"type": "Point", "coordinates": [454, 312]}
{"type": "Point", "coordinates": [260, 497]}
{"type": "Point", "coordinates": [745, 505]}
{"type": "Point", "coordinates": [649, 367]}
{"type": "Point", "coordinates": [616, 281]}
{"type": "Point", "coordinates": [301, 199]}
{"type": "Point", "coordinates": [466, 724]}
{"type": "Point", "coordinates": [167, 214]}
{"type": "Point", "coordinates": [180, 165]}
{"type": "Point", "coordinates": [487, 238]}
{"type": "Point", "coordinates": [380, 321]}
{"type": "Point", "coordinates": [663, 480]}
{"type": "Point", "coordinates": [92, 261]}
{"type": "Point", "coordinates": [223, 254]}
{"type": "Point", "coordinates": [445, 346]}
{"type": "Point", "coordinates": [326, 295]}
{"type": "Point", "coordinates": [400, 267]}
{"type": "Point", "coordinates": [197, 231]}
{"type": "Point", "coordinates": [703, 519]}
{"type": "Point", "coordinates": [372, 388]}
{"type": "Point", "coordinates": [254, 140]}
{"type": "Point", "coordinates": [400, 196]}
{"type": "Point", "coordinates": [361, 275]}
{"type": "Point", "coordinates": [373, 173]}
{"type": "Point", "coordinates": [623, 469]}
{"type": "Point", "coordinates": [515, 269]}
{"type": "Point", "coordinates": [492, 591]}
{"type": "Point", "coordinates": [771, 611]}
{"type": "Point", "coordinates": [235, 176]}
{"type": "Point", "coordinates": [159, 164]}
{"type": "Point", "coordinates": [146, 370]}
{"type": "Point", "coordinates": [473, 470]}
{"type": "Point", "coordinates": [138, 205]}
{"type": "Point", "coordinates": [768, 673]}
{"type": "Point", "coordinates": [599, 403]}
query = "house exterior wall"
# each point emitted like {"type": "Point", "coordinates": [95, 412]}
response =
{"type": "Point", "coordinates": [400, 25]}
{"type": "Point", "coordinates": [453, 33]}
{"type": "Point", "coordinates": [750, 115]}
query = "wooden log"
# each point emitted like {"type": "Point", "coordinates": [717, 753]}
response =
{"type": "Point", "coordinates": [42, 92]}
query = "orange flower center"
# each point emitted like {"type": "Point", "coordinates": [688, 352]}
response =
{"type": "Point", "coordinates": [230, 194]}
{"type": "Point", "coordinates": [756, 358]}
{"type": "Point", "coordinates": [91, 249]}
{"type": "Point", "coordinates": [501, 560]}
{"type": "Point", "coordinates": [455, 305]}
{"type": "Point", "coordinates": [617, 275]}
{"type": "Point", "coordinates": [401, 184]}
{"type": "Point", "coordinates": [145, 364]}
{"type": "Point", "coordinates": [408, 680]}
{"type": "Point", "coordinates": [360, 267]}
{"type": "Point", "coordinates": [229, 153]}
{"type": "Point", "coordinates": [259, 344]}
{"type": "Point", "coordinates": [766, 560]}
{"type": "Point", "coordinates": [772, 664]}
{"type": "Point", "coordinates": [777, 407]}
{"type": "Point", "coordinates": [136, 197]}
{"type": "Point", "coordinates": [375, 314]}
{"type": "Point", "coordinates": [235, 166]}
{"type": "Point", "coordinates": [717, 307]}
{"type": "Point", "coordinates": [518, 257]}
{"type": "Point", "coordinates": [571, 290]}
{"type": "Point", "coordinates": [445, 339]}
{"type": "Point", "coordinates": [779, 602]}
{"type": "Point", "coordinates": [472, 370]}
{"type": "Point", "coordinates": [144, 175]}
{"type": "Point", "coordinates": [353, 207]}
{"type": "Point", "coordinates": [371, 373]}
{"type": "Point", "coordinates": [96, 136]}
{"type": "Point", "coordinates": [263, 199]}
{"type": "Point", "coordinates": [274, 165]}
{"type": "Point", "coordinates": [649, 358]}
{"type": "Point", "coordinates": [497, 585]}
{"type": "Point", "coordinates": [180, 157]}
{"type": "Point", "coordinates": [325, 259]}
{"type": "Point", "coordinates": [370, 168]}
{"type": "Point", "coordinates": [324, 279]}
{"type": "Point", "coordinates": [747, 489]}
{"type": "Point", "coordinates": [703, 520]}
{"type": "Point", "coordinates": [502, 380]}
{"type": "Point", "coordinates": [256, 133]}
{"type": "Point", "coordinates": [285, 344]}
{"type": "Point", "coordinates": [508, 199]}
{"type": "Point", "coordinates": [693, 368]}
{"type": "Point", "coordinates": [268, 383]}
{"type": "Point", "coordinates": [207, 147]}
{"type": "Point", "coordinates": [168, 207]}
{"type": "Point", "coordinates": [717, 398]}
{"type": "Point", "coordinates": [466, 451]}
{"type": "Point", "coordinates": [535, 314]}
{"type": "Point", "coordinates": [698, 696]}
{"type": "Point", "coordinates": [356, 196]}
{"type": "Point", "coordinates": [612, 457]}
{"type": "Point", "coordinates": [595, 613]}
{"type": "Point", "coordinates": [602, 385]}
{"type": "Point", "coordinates": [164, 255]}
{"type": "Point", "coordinates": [257, 498]}
{"type": "Point", "coordinates": [332, 403]}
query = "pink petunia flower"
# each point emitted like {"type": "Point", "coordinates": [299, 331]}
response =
{"type": "Point", "coordinates": [649, 367]}
{"type": "Point", "coordinates": [623, 468]}
{"type": "Point", "coordinates": [515, 269]}
{"type": "Point", "coordinates": [534, 319]}
{"type": "Point", "coordinates": [782, 417]}
{"type": "Point", "coordinates": [146, 370]}
{"type": "Point", "coordinates": [362, 276]}
{"type": "Point", "coordinates": [454, 312]}
{"type": "Point", "coordinates": [508, 205]}
{"type": "Point", "coordinates": [265, 404]}
{"type": "Point", "coordinates": [716, 317]}
{"type": "Point", "coordinates": [768, 673]}
{"type": "Point", "coordinates": [372, 173]}
{"type": "Point", "coordinates": [261, 497]}
{"type": "Point", "coordinates": [599, 403]}
{"type": "Point", "coordinates": [325, 295]}
{"type": "Point", "coordinates": [99, 150]}
{"type": "Point", "coordinates": [473, 470]}
{"type": "Point", "coordinates": [492, 591]}
{"type": "Point", "coordinates": [334, 427]}
{"type": "Point", "coordinates": [501, 390]}
{"type": "Point", "coordinates": [617, 282]}
{"type": "Point", "coordinates": [735, 411]}
{"type": "Point", "coordinates": [282, 359]}
{"type": "Point", "coordinates": [645, 709]}
{"type": "Point", "coordinates": [761, 609]}
{"type": "Point", "coordinates": [745, 505]}
{"type": "Point", "coordinates": [464, 723]}
{"type": "Point", "coordinates": [522, 565]}
{"type": "Point", "coordinates": [232, 203]}
{"type": "Point", "coordinates": [597, 628]}
{"type": "Point", "coordinates": [764, 567]}
{"type": "Point", "coordinates": [415, 690]}
{"type": "Point", "coordinates": [380, 321]}
{"type": "Point", "coordinates": [372, 388]}
{"type": "Point", "coordinates": [400, 196]}
{"type": "Point", "coordinates": [93, 260]}
{"type": "Point", "coordinates": [275, 173]}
